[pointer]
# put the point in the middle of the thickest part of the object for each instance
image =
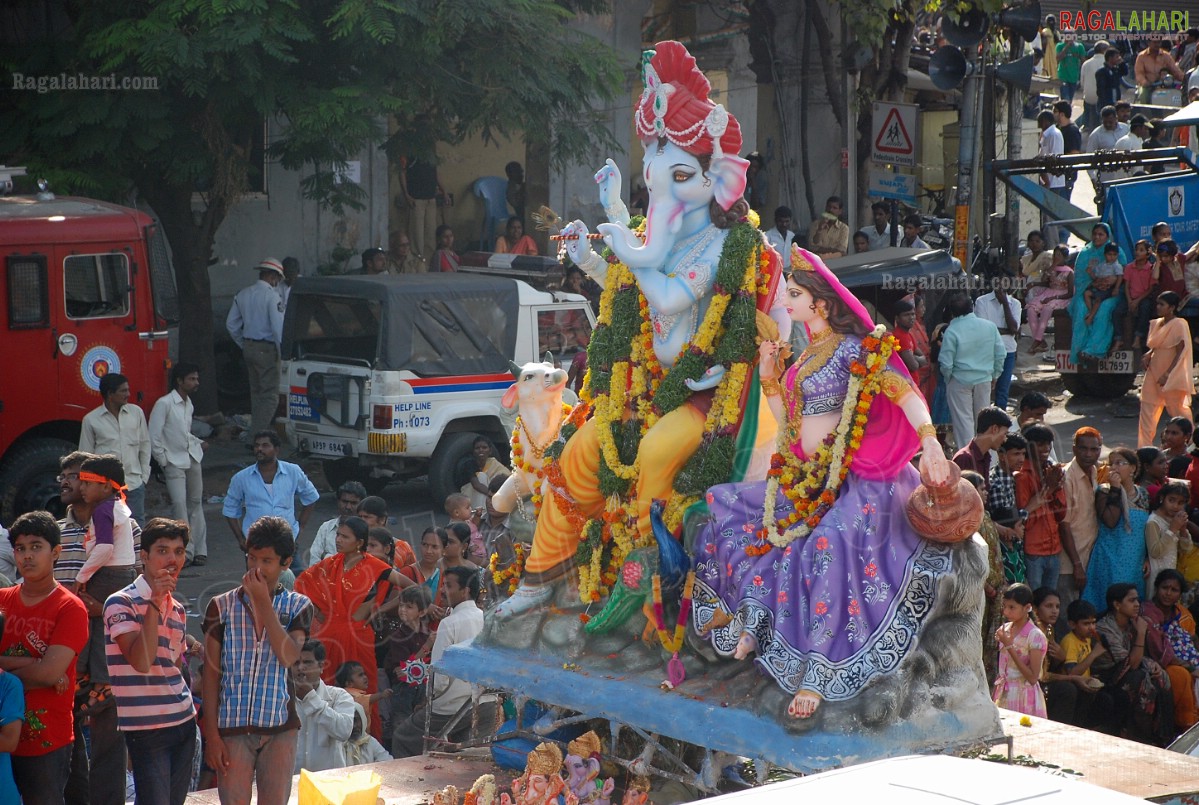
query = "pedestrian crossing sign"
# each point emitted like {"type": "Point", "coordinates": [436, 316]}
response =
{"type": "Point", "coordinates": [894, 140]}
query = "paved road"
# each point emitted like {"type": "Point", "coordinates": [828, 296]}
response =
{"type": "Point", "coordinates": [408, 504]}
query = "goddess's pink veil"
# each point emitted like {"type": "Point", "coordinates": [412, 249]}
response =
{"type": "Point", "coordinates": [890, 440]}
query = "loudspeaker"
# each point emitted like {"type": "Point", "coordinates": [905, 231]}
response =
{"type": "Point", "coordinates": [1024, 21]}
{"type": "Point", "coordinates": [1017, 73]}
{"type": "Point", "coordinates": [969, 29]}
{"type": "Point", "coordinates": [948, 67]}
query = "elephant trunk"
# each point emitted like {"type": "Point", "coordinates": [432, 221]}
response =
{"type": "Point", "coordinates": [663, 221]}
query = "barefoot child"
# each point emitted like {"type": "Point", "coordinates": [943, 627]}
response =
{"type": "Point", "coordinates": [1021, 653]}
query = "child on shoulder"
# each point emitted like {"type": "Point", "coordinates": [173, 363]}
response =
{"type": "Point", "coordinates": [458, 507]}
{"type": "Point", "coordinates": [109, 566]}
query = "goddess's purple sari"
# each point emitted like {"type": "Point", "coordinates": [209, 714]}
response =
{"type": "Point", "coordinates": [833, 610]}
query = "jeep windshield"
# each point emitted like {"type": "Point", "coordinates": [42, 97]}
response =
{"type": "Point", "coordinates": [434, 325]}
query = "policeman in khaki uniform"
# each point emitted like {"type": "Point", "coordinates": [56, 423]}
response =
{"type": "Point", "coordinates": [255, 323]}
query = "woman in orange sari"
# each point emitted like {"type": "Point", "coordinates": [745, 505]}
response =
{"type": "Point", "coordinates": [340, 588]}
{"type": "Point", "coordinates": [1168, 384]}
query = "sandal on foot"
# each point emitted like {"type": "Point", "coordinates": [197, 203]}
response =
{"type": "Point", "coordinates": [100, 698]}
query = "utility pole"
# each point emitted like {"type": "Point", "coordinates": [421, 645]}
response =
{"type": "Point", "coordinates": [967, 147]}
{"type": "Point", "coordinates": [1015, 133]}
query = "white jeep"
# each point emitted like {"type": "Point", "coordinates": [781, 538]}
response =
{"type": "Point", "coordinates": [392, 377]}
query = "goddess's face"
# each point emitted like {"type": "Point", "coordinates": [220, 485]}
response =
{"type": "Point", "coordinates": [801, 306]}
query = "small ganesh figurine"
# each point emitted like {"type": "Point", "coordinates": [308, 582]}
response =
{"type": "Point", "coordinates": [637, 791]}
{"type": "Point", "coordinates": [483, 792]}
{"type": "Point", "coordinates": [582, 771]}
{"type": "Point", "coordinates": [542, 782]}
{"type": "Point", "coordinates": [446, 796]}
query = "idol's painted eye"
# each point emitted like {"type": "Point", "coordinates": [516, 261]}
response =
{"type": "Point", "coordinates": [682, 176]}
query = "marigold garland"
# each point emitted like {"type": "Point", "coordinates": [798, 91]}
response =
{"type": "Point", "coordinates": [510, 574]}
{"type": "Point", "coordinates": [812, 484]}
{"type": "Point", "coordinates": [630, 392]}
{"type": "Point", "coordinates": [521, 464]}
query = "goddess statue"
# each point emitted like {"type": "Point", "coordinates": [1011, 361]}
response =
{"type": "Point", "coordinates": [817, 570]}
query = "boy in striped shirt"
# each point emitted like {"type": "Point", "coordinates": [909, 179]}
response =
{"type": "Point", "coordinates": [144, 631]}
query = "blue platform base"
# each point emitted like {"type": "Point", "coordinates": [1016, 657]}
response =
{"type": "Point", "coordinates": [729, 712]}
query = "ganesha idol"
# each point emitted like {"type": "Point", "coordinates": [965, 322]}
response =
{"type": "Point", "coordinates": [670, 364]}
{"type": "Point", "coordinates": [813, 572]}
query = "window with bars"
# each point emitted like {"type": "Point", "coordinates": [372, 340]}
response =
{"type": "Point", "coordinates": [28, 294]}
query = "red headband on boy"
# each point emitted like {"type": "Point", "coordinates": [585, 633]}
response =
{"type": "Point", "coordinates": [96, 478]}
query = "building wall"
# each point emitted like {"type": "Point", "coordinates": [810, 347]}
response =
{"type": "Point", "coordinates": [282, 223]}
{"type": "Point", "coordinates": [458, 167]}
{"type": "Point", "coordinates": [572, 191]}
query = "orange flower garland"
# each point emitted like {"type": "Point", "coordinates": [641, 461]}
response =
{"type": "Point", "coordinates": [812, 484]}
{"type": "Point", "coordinates": [520, 464]}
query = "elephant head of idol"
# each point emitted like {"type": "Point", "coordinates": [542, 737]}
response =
{"type": "Point", "coordinates": [691, 167]}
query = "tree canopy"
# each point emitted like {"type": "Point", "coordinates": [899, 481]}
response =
{"type": "Point", "coordinates": [331, 72]}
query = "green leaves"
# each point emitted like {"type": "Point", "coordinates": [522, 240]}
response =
{"type": "Point", "coordinates": [332, 70]}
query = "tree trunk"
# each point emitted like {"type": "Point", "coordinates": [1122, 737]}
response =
{"type": "Point", "coordinates": [191, 247]}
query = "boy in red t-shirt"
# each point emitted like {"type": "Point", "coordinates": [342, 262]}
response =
{"type": "Point", "coordinates": [44, 628]}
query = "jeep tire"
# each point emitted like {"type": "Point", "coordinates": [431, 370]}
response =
{"type": "Point", "coordinates": [443, 465]}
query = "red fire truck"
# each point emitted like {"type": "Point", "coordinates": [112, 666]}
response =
{"type": "Point", "coordinates": [88, 289]}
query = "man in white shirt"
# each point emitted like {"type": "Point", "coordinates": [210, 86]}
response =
{"type": "Point", "coordinates": [119, 429]}
{"type": "Point", "coordinates": [349, 495]}
{"type": "Point", "coordinates": [449, 694]}
{"type": "Point", "coordinates": [781, 237]}
{"type": "Point", "coordinates": [879, 235]}
{"type": "Point", "coordinates": [1090, 95]}
{"type": "Point", "coordinates": [1003, 311]}
{"type": "Point", "coordinates": [255, 323]}
{"type": "Point", "coordinates": [911, 233]}
{"type": "Point", "coordinates": [1138, 132]}
{"type": "Point", "coordinates": [1134, 140]}
{"type": "Point", "coordinates": [1052, 144]}
{"type": "Point", "coordinates": [326, 713]}
{"type": "Point", "coordinates": [180, 453]}
{"type": "Point", "coordinates": [1104, 138]}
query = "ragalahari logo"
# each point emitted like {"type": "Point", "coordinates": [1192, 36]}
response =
{"type": "Point", "coordinates": [1160, 22]}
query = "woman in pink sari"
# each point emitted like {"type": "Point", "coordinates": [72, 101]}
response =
{"type": "Point", "coordinates": [828, 600]}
